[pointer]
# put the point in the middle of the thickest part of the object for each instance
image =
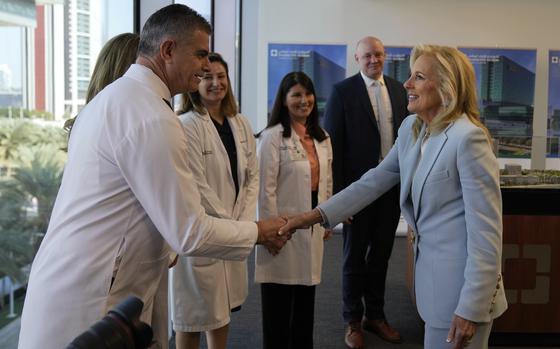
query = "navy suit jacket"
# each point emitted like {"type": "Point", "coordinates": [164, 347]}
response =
{"type": "Point", "coordinates": [351, 123]}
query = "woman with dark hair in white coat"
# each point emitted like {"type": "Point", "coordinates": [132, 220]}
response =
{"type": "Point", "coordinates": [295, 159]}
{"type": "Point", "coordinates": [222, 157]}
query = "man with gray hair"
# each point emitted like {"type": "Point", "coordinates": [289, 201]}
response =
{"type": "Point", "coordinates": [127, 198]}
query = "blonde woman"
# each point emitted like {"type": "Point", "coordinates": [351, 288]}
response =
{"type": "Point", "coordinates": [450, 195]}
{"type": "Point", "coordinates": [222, 158]}
{"type": "Point", "coordinates": [113, 61]}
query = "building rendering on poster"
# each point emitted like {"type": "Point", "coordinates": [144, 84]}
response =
{"type": "Point", "coordinates": [553, 121]}
{"type": "Point", "coordinates": [397, 62]}
{"type": "Point", "coordinates": [324, 64]}
{"type": "Point", "coordinates": [506, 90]}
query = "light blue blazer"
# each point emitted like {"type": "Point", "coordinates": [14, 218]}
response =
{"type": "Point", "coordinates": [450, 196]}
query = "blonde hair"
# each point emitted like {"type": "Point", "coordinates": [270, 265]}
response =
{"type": "Point", "coordinates": [113, 61]}
{"type": "Point", "coordinates": [457, 87]}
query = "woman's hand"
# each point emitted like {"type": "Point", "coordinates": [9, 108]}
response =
{"type": "Point", "coordinates": [328, 234]}
{"type": "Point", "coordinates": [461, 332]}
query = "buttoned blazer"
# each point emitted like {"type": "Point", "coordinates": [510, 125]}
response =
{"type": "Point", "coordinates": [451, 197]}
{"type": "Point", "coordinates": [350, 120]}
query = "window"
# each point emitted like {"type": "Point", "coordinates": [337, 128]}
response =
{"type": "Point", "coordinates": [83, 68]}
{"type": "Point", "coordinates": [82, 88]}
{"type": "Point", "coordinates": [82, 5]}
{"type": "Point", "coordinates": [45, 69]}
{"type": "Point", "coordinates": [83, 45]}
{"type": "Point", "coordinates": [82, 22]}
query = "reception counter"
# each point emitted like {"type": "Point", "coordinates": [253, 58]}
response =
{"type": "Point", "coordinates": [531, 263]}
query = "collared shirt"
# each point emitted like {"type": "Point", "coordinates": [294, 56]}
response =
{"type": "Point", "coordinates": [309, 147]}
{"type": "Point", "coordinates": [381, 104]}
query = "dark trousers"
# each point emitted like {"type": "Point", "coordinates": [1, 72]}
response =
{"type": "Point", "coordinates": [368, 243]}
{"type": "Point", "coordinates": [288, 312]}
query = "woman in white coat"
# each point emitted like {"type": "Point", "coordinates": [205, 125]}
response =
{"type": "Point", "coordinates": [450, 195]}
{"type": "Point", "coordinates": [295, 158]}
{"type": "Point", "coordinates": [222, 158]}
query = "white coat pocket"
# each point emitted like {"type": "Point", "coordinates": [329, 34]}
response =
{"type": "Point", "coordinates": [202, 261]}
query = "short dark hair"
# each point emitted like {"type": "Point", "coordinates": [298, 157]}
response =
{"type": "Point", "coordinates": [280, 115]}
{"type": "Point", "coordinates": [192, 100]}
{"type": "Point", "coordinates": [173, 21]}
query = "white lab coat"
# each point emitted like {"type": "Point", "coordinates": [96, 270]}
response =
{"type": "Point", "coordinates": [126, 191]}
{"type": "Point", "coordinates": [285, 189]}
{"type": "Point", "coordinates": [204, 289]}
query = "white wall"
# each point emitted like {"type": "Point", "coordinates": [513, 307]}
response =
{"type": "Point", "coordinates": [479, 23]}
{"type": "Point", "coordinates": [147, 7]}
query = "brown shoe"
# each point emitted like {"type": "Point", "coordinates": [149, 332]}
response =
{"type": "Point", "coordinates": [383, 330]}
{"type": "Point", "coordinates": [354, 337]}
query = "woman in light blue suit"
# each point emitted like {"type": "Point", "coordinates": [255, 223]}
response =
{"type": "Point", "coordinates": [450, 196]}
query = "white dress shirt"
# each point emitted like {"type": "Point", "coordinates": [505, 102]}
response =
{"type": "Point", "coordinates": [381, 104]}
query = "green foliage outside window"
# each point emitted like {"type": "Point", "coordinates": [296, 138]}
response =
{"type": "Point", "coordinates": [32, 161]}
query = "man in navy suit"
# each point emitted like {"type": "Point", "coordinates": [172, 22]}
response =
{"type": "Point", "coordinates": [362, 117]}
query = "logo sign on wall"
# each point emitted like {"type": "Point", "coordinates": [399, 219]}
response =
{"type": "Point", "coordinates": [553, 148]}
{"type": "Point", "coordinates": [397, 62]}
{"type": "Point", "coordinates": [506, 91]}
{"type": "Point", "coordinates": [324, 64]}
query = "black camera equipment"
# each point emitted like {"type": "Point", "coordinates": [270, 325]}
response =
{"type": "Point", "coordinates": [121, 328]}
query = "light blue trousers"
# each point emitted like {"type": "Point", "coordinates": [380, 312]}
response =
{"type": "Point", "coordinates": [434, 338]}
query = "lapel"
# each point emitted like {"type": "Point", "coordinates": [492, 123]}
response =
{"type": "Point", "coordinates": [431, 152]}
{"type": "Point", "coordinates": [410, 163]}
{"type": "Point", "coordinates": [237, 130]}
{"type": "Point", "coordinates": [363, 97]}
{"type": "Point", "coordinates": [221, 148]}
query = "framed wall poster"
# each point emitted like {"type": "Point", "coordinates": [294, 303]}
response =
{"type": "Point", "coordinates": [506, 93]}
{"type": "Point", "coordinates": [324, 64]}
{"type": "Point", "coordinates": [397, 62]}
{"type": "Point", "coordinates": [553, 110]}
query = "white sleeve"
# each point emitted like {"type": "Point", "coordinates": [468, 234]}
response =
{"type": "Point", "coordinates": [152, 159]}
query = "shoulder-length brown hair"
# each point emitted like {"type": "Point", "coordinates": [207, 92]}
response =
{"type": "Point", "coordinates": [280, 114]}
{"type": "Point", "coordinates": [113, 61]}
{"type": "Point", "coordinates": [193, 101]}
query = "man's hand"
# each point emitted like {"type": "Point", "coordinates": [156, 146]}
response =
{"type": "Point", "coordinates": [461, 332]}
{"type": "Point", "coordinates": [301, 221]}
{"type": "Point", "coordinates": [269, 235]}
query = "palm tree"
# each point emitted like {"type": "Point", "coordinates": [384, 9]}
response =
{"type": "Point", "coordinates": [38, 178]}
{"type": "Point", "coordinates": [15, 243]}
{"type": "Point", "coordinates": [27, 202]}
{"type": "Point", "coordinates": [17, 133]}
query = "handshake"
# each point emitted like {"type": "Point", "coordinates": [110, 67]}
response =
{"type": "Point", "coordinates": [275, 232]}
